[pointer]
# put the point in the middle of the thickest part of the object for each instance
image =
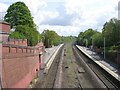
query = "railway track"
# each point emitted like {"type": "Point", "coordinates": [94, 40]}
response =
{"type": "Point", "coordinates": [74, 70]}
{"type": "Point", "coordinates": [48, 80]}
{"type": "Point", "coordinates": [98, 71]}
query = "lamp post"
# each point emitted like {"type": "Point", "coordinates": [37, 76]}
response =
{"type": "Point", "coordinates": [104, 47]}
{"type": "Point", "coordinates": [48, 42]}
{"type": "Point", "coordinates": [86, 43]}
{"type": "Point", "coordinates": [92, 45]}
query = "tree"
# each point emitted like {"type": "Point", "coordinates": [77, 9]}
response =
{"type": "Point", "coordinates": [67, 39]}
{"type": "Point", "coordinates": [111, 31]}
{"type": "Point", "coordinates": [17, 35]}
{"type": "Point", "coordinates": [80, 38]}
{"type": "Point", "coordinates": [50, 38]}
{"type": "Point", "coordinates": [19, 14]}
{"type": "Point", "coordinates": [98, 39]}
{"type": "Point", "coordinates": [86, 37]}
{"type": "Point", "coordinates": [25, 32]}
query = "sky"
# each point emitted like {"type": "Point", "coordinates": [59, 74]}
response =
{"type": "Point", "coordinates": [68, 17]}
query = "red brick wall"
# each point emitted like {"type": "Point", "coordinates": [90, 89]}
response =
{"type": "Point", "coordinates": [20, 42]}
{"type": "Point", "coordinates": [4, 37]}
{"type": "Point", "coordinates": [9, 49]}
{"type": "Point", "coordinates": [5, 27]}
{"type": "Point", "coordinates": [19, 71]}
{"type": "Point", "coordinates": [5, 50]}
{"type": "Point", "coordinates": [19, 64]}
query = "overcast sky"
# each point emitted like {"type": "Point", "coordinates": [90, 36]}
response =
{"type": "Point", "coordinates": [68, 17]}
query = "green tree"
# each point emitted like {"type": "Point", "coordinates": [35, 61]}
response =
{"type": "Point", "coordinates": [25, 32]}
{"type": "Point", "coordinates": [19, 14]}
{"type": "Point", "coordinates": [67, 39]}
{"type": "Point", "coordinates": [50, 38]}
{"type": "Point", "coordinates": [86, 37]}
{"type": "Point", "coordinates": [17, 35]}
{"type": "Point", "coordinates": [80, 38]}
{"type": "Point", "coordinates": [98, 39]}
{"type": "Point", "coordinates": [111, 31]}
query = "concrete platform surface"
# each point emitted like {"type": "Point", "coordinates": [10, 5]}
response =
{"type": "Point", "coordinates": [110, 67]}
{"type": "Point", "coordinates": [47, 55]}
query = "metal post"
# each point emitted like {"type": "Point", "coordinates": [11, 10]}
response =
{"type": "Point", "coordinates": [48, 42]}
{"type": "Point", "coordinates": [104, 47]}
{"type": "Point", "coordinates": [92, 45]}
{"type": "Point", "coordinates": [86, 43]}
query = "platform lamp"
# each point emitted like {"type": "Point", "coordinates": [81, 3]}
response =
{"type": "Point", "coordinates": [86, 42]}
{"type": "Point", "coordinates": [104, 47]}
{"type": "Point", "coordinates": [92, 45]}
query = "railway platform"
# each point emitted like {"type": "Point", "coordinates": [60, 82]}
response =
{"type": "Point", "coordinates": [48, 57]}
{"type": "Point", "coordinates": [47, 54]}
{"type": "Point", "coordinates": [109, 67]}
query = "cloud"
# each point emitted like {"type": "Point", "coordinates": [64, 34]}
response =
{"type": "Point", "coordinates": [3, 8]}
{"type": "Point", "coordinates": [93, 13]}
{"type": "Point", "coordinates": [69, 17]}
{"type": "Point", "coordinates": [64, 18]}
{"type": "Point", "coordinates": [61, 30]}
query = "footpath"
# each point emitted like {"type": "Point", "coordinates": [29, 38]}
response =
{"type": "Point", "coordinates": [110, 67]}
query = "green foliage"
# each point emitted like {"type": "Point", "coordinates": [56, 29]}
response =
{"type": "Point", "coordinates": [50, 38]}
{"type": "Point", "coordinates": [67, 39]}
{"type": "Point", "coordinates": [19, 14]}
{"type": "Point", "coordinates": [17, 35]}
{"type": "Point", "coordinates": [86, 37]}
{"type": "Point", "coordinates": [98, 39]}
{"type": "Point", "coordinates": [22, 32]}
{"type": "Point", "coordinates": [115, 48]}
{"type": "Point", "coordinates": [111, 31]}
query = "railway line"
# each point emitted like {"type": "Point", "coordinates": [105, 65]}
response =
{"type": "Point", "coordinates": [72, 69]}
{"type": "Point", "coordinates": [102, 75]}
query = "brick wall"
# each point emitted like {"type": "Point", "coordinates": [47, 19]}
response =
{"type": "Point", "coordinates": [18, 62]}
{"type": "Point", "coordinates": [18, 71]}
{"type": "Point", "coordinates": [5, 27]}
{"type": "Point", "coordinates": [19, 65]}
{"type": "Point", "coordinates": [4, 37]}
{"type": "Point", "coordinates": [9, 49]}
{"type": "Point", "coordinates": [20, 42]}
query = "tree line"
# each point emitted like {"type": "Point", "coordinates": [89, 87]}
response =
{"type": "Point", "coordinates": [110, 32]}
{"type": "Point", "coordinates": [110, 37]}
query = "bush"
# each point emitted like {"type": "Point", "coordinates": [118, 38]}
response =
{"type": "Point", "coordinates": [25, 32]}
{"type": "Point", "coordinates": [115, 48]}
